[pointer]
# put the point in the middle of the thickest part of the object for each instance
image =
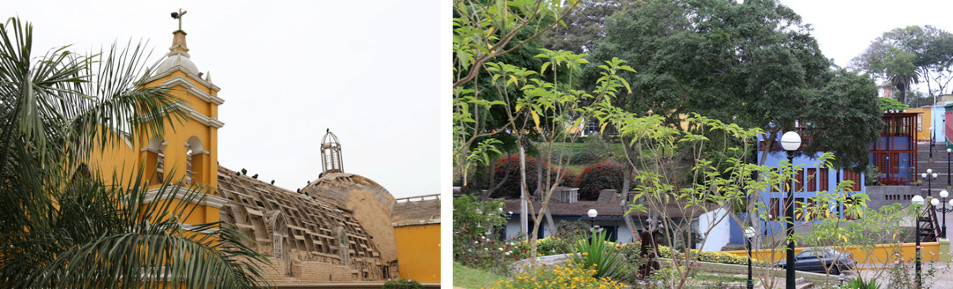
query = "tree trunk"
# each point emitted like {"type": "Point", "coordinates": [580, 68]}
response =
{"type": "Point", "coordinates": [523, 193]}
{"type": "Point", "coordinates": [626, 187]}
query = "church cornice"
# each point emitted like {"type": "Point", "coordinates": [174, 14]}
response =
{"type": "Point", "coordinates": [190, 87]}
{"type": "Point", "coordinates": [201, 118]}
{"type": "Point", "coordinates": [188, 84]}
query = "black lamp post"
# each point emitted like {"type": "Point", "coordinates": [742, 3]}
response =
{"type": "Point", "coordinates": [749, 233]}
{"type": "Point", "coordinates": [929, 176]}
{"type": "Point", "coordinates": [932, 141]}
{"type": "Point", "coordinates": [917, 201]}
{"type": "Point", "coordinates": [790, 141]}
{"type": "Point", "coordinates": [943, 209]}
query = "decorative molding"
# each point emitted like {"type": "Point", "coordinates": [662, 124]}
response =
{"type": "Point", "coordinates": [155, 150]}
{"type": "Point", "coordinates": [208, 200]}
{"type": "Point", "coordinates": [201, 118]}
{"type": "Point", "coordinates": [179, 80]}
{"type": "Point", "coordinates": [193, 76]}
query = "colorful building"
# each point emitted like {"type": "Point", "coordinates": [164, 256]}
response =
{"type": "Point", "coordinates": [929, 119]}
{"type": "Point", "coordinates": [337, 229]}
{"type": "Point", "coordinates": [810, 178]}
{"type": "Point", "coordinates": [894, 155]}
{"type": "Point", "coordinates": [416, 223]}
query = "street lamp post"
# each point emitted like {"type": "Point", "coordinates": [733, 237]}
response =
{"type": "Point", "coordinates": [790, 142]}
{"type": "Point", "coordinates": [917, 201]}
{"type": "Point", "coordinates": [943, 209]}
{"type": "Point", "coordinates": [929, 176]}
{"type": "Point", "coordinates": [592, 219]}
{"type": "Point", "coordinates": [749, 233]}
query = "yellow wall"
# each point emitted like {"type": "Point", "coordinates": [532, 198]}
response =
{"type": "Point", "coordinates": [418, 252]}
{"type": "Point", "coordinates": [123, 159]}
{"type": "Point", "coordinates": [925, 116]}
{"type": "Point", "coordinates": [883, 253]}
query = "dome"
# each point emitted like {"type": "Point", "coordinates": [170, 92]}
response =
{"type": "Point", "coordinates": [177, 60]}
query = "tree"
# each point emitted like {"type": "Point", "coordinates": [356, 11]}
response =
{"type": "Point", "coordinates": [583, 26]}
{"type": "Point", "coordinates": [484, 31]}
{"type": "Point", "coordinates": [905, 56]}
{"type": "Point", "coordinates": [752, 63]}
{"type": "Point", "coordinates": [891, 104]}
{"type": "Point", "coordinates": [856, 124]}
{"type": "Point", "coordinates": [65, 228]}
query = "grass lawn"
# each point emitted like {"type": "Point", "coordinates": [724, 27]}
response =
{"type": "Point", "coordinates": [470, 278]}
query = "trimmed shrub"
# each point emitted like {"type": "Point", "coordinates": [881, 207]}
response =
{"type": "Point", "coordinates": [581, 157]}
{"type": "Point", "coordinates": [715, 257]}
{"type": "Point", "coordinates": [402, 284]}
{"type": "Point", "coordinates": [508, 168]}
{"type": "Point", "coordinates": [598, 177]}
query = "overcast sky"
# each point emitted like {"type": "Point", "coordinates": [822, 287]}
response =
{"type": "Point", "coordinates": [368, 70]}
{"type": "Point", "coordinates": [844, 29]}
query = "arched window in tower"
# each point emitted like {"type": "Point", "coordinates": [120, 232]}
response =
{"type": "Point", "coordinates": [196, 158]}
{"type": "Point", "coordinates": [331, 153]}
{"type": "Point", "coordinates": [153, 157]}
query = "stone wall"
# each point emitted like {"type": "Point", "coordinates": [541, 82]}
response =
{"type": "Point", "coordinates": [885, 195]}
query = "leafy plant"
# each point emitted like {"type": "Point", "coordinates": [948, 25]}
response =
{"type": "Point", "coordinates": [859, 283]}
{"type": "Point", "coordinates": [402, 284]}
{"type": "Point", "coordinates": [598, 255]}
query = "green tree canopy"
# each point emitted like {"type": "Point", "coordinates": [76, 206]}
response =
{"type": "Point", "coordinates": [891, 104]}
{"type": "Point", "coordinates": [752, 63]}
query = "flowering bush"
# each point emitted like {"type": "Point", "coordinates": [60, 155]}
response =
{"type": "Point", "coordinates": [478, 251]}
{"type": "Point", "coordinates": [473, 246]}
{"type": "Point", "coordinates": [598, 177]}
{"type": "Point", "coordinates": [510, 165]}
{"type": "Point", "coordinates": [402, 284]}
{"type": "Point", "coordinates": [559, 276]}
{"type": "Point", "coordinates": [472, 216]}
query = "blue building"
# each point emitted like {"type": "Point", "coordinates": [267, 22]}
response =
{"type": "Point", "coordinates": [810, 178]}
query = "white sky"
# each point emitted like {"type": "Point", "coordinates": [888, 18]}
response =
{"type": "Point", "coordinates": [844, 28]}
{"type": "Point", "coordinates": [368, 70]}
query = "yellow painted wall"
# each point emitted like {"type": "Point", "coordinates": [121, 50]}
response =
{"type": "Point", "coordinates": [883, 253]}
{"type": "Point", "coordinates": [925, 116]}
{"type": "Point", "coordinates": [125, 158]}
{"type": "Point", "coordinates": [418, 252]}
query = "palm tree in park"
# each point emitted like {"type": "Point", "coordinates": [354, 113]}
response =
{"type": "Point", "coordinates": [64, 227]}
{"type": "Point", "coordinates": [902, 81]}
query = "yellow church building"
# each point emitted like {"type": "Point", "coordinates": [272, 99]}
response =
{"type": "Point", "coordinates": [339, 228]}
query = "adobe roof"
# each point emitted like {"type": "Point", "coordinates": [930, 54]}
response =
{"type": "Point", "coordinates": [253, 206]}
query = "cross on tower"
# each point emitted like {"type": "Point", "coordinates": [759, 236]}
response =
{"type": "Point", "coordinates": [178, 15]}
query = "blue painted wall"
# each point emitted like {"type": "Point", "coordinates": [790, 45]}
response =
{"type": "Point", "coordinates": [804, 162]}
